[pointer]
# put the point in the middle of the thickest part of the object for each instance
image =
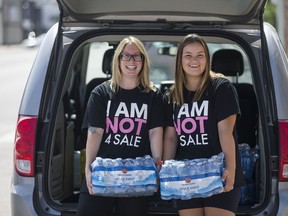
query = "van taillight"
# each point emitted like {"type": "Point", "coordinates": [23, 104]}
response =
{"type": "Point", "coordinates": [283, 129]}
{"type": "Point", "coordinates": [25, 145]}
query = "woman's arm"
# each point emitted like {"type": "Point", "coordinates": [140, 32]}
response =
{"type": "Point", "coordinates": [225, 130]}
{"type": "Point", "coordinates": [156, 143]}
{"type": "Point", "coordinates": [170, 143]}
{"type": "Point", "coordinates": [92, 146]}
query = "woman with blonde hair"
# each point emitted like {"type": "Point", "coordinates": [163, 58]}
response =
{"type": "Point", "coordinates": [124, 121]}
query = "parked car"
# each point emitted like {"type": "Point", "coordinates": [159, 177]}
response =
{"type": "Point", "coordinates": [32, 40]}
{"type": "Point", "coordinates": [75, 56]}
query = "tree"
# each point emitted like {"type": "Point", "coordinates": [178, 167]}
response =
{"type": "Point", "coordinates": [270, 13]}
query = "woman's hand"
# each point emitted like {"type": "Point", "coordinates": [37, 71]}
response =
{"type": "Point", "coordinates": [94, 138]}
{"type": "Point", "coordinates": [225, 129]}
{"type": "Point", "coordinates": [228, 179]}
{"type": "Point", "coordinates": [88, 175]}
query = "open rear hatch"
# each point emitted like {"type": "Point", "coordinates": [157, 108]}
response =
{"type": "Point", "coordinates": [75, 13]}
{"type": "Point", "coordinates": [215, 11]}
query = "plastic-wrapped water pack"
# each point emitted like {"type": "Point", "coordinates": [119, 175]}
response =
{"type": "Point", "coordinates": [188, 179]}
{"type": "Point", "coordinates": [249, 159]}
{"type": "Point", "coordinates": [124, 177]}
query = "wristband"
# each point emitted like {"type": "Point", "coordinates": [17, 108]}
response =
{"type": "Point", "coordinates": [159, 163]}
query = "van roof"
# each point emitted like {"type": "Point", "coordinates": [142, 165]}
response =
{"type": "Point", "coordinates": [224, 11]}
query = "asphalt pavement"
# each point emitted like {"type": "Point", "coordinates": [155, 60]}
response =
{"type": "Point", "coordinates": [15, 64]}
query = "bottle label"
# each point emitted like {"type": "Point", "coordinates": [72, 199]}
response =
{"type": "Point", "coordinates": [191, 178]}
{"type": "Point", "coordinates": [187, 187]}
{"type": "Point", "coordinates": [124, 177]}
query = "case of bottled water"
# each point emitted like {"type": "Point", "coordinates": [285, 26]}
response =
{"type": "Point", "coordinates": [249, 158]}
{"type": "Point", "coordinates": [188, 179]}
{"type": "Point", "coordinates": [124, 177]}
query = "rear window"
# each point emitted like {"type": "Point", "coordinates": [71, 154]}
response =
{"type": "Point", "coordinates": [162, 62]}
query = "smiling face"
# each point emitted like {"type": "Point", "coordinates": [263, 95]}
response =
{"type": "Point", "coordinates": [193, 60]}
{"type": "Point", "coordinates": [130, 61]}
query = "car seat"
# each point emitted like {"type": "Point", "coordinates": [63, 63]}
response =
{"type": "Point", "coordinates": [230, 63]}
{"type": "Point", "coordinates": [165, 85]}
{"type": "Point", "coordinates": [106, 69]}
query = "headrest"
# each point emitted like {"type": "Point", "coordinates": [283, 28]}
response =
{"type": "Point", "coordinates": [107, 61]}
{"type": "Point", "coordinates": [228, 62]}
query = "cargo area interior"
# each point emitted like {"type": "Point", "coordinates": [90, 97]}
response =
{"type": "Point", "coordinates": [90, 65]}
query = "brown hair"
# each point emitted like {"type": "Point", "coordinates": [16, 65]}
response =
{"type": "Point", "coordinates": [180, 79]}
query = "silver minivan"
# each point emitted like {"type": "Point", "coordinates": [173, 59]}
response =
{"type": "Point", "coordinates": [75, 56]}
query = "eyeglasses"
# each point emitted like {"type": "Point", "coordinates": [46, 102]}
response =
{"type": "Point", "coordinates": [128, 57]}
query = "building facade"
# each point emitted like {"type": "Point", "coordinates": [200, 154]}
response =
{"type": "Point", "coordinates": [20, 17]}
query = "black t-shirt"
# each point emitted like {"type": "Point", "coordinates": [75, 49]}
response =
{"type": "Point", "coordinates": [196, 122]}
{"type": "Point", "coordinates": [126, 117]}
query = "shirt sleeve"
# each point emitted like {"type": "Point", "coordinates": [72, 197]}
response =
{"type": "Point", "coordinates": [168, 111]}
{"type": "Point", "coordinates": [226, 101]}
{"type": "Point", "coordinates": [96, 109]}
{"type": "Point", "coordinates": [157, 114]}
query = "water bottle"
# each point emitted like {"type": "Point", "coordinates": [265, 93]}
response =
{"type": "Point", "coordinates": [118, 165]}
{"type": "Point", "coordinates": [151, 166]}
{"type": "Point", "coordinates": [192, 169]}
{"type": "Point", "coordinates": [108, 163]}
{"type": "Point", "coordinates": [97, 181]}
{"type": "Point", "coordinates": [214, 166]}
{"type": "Point", "coordinates": [109, 176]}
{"type": "Point", "coordinates": [181, 170]}
{"type": "Point", "coordinates": [164, 170]}
{"type": "Point", "coordinates": [248, 163]}
{"type": "Point", "coordinates": [129, 164]}
{"type": "Point", "coordinates": [138, 173]}
{"type": "Point", "coordinates": [165, 173]}
{"type": "Point", "coordinates": [128, 168]}
{"type": "Point", "coordinates": [149, 162]}
{"type": "Point", "coordinates": [97, 177]}
{"type": "Point", "coordinates": [98, 162]}
{"type": "Point", "coordinates": [200, 169]}
{"type": "Point", "coordinates": [139, 163]}
{"type": "Point", "coordinates": [256, 154]}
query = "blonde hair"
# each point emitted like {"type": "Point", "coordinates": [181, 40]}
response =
{"type": "Point", "coordinates": [143, 77]}
{"type": "Point", "coordinates": [180, 79]}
